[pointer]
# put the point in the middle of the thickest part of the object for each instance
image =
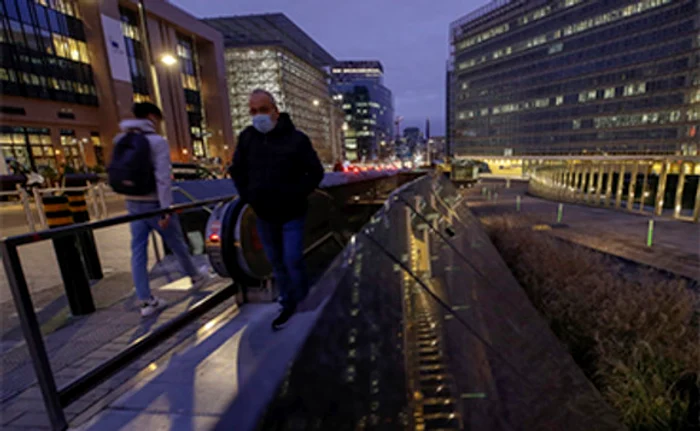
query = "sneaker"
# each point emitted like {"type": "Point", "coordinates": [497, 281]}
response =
{"type": "Point", "coordinates": [284, 316]}
{"type": "Point", "coordinates": [200, 280]}
{"type": "Point", "coordinates": [152, 306]}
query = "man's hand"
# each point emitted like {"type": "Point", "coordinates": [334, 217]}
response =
{"type": "Point", "coordinates": [164, 222]}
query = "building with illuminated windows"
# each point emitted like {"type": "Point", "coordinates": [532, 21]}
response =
{"type": "Point", "coordinates": [66, 84]}
{"type": "Point", "coordinates": [271, 52]}
{"type": "Point", "coordinates": [368, 107]}
{"type": "Point", "coordinates": [575, 77]}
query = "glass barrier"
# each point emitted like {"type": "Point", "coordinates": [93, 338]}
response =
{"type": "Point", "coordinates": [428, 329]}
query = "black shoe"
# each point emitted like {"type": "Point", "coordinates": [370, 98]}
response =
{"type": "Point", "coordinates": [284, 316]}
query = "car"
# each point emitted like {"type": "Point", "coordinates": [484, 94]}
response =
{"type": "Point", "coordinates": [191, 172]}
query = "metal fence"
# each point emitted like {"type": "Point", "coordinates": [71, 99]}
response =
{"type": "Point", "coordinates": [652, 186]}
{"type": "Point", "coordinates": [56, 399]}
{"type": "Point", "coordinates": [33, 207]}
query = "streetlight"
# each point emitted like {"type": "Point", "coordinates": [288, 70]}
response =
{"type": "Point", "coordinates": [168, 59]}
{"type": "Point", "coordinates": [316, 102]}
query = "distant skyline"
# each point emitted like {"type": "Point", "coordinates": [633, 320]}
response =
{"type": "Point", "coordinates": [410, 38]}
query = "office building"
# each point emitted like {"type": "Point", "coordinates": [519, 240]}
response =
{"type": "Point", "coordinates": [67, 84]}
{"type": "Point", "coordinates": [576, 77]}
{"type": "Point", "coordinates": [271, 52]}
{"type": "Point", "coordinates": [368, 107]}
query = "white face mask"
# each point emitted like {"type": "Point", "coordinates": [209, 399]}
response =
{"type": "Point", "coordinates": [263, 123]}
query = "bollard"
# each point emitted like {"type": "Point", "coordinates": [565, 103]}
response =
{"type": "Point", "coordinates": [39, 204]}
{"type": "Point", "coordinates": [507, 183]}
{"type": "Point", "coordinates": [517, 203]}
{"type": "Point", "coordinates": [75, 278]}
{"type": "Point", "coordinates": [24, 198]}
{"type": "Point", "coordinates": [78, 207]}
{"type": "Point", "coordinates": [650, 233]}
{"type": "Point", "coordinates": [560, 213]}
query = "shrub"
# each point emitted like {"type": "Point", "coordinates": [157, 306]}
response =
{"type": "Point", "coordinates": [634, 332]}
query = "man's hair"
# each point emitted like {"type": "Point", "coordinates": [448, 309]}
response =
{"type": "Point", "coordinates": [259, 91]}
{"type": "Point", "coordinates": [144, 109]}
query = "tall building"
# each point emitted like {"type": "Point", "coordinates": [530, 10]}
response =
{"type": "Point", "coordinates": [66, 84]}
{"type": "Point", "coordinates": [368, 107]}
{"type": "Point", "coordinates": [575, 77]}
{"type": "Point", "coordinates": [271, 52]}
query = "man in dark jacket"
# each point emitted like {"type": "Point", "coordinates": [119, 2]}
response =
{"type": "Point", "coordinates": [275, 169]}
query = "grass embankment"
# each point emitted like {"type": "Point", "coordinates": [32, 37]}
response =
{"type": "Point", "coordinates": [634, 333]}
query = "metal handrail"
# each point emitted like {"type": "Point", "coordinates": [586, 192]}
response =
{"type": "Point", "coordinates": [29, 238]}
{"type": "Point", "coordinates": [55, 399]}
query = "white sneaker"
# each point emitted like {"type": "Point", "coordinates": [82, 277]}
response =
{"type": "Point", "coordinates": [200, 280]}
{"type": "Point", "coordinates": [152, 306]}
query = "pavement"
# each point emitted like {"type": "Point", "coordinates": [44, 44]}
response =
{"type": "Point", "coordinates": [676, 244]}
{"type": "Point", "coordinates": [76, 345]}
{"type": "Point", "coordinates": [13, 220]}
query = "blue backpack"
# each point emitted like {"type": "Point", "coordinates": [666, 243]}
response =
{"type": "Point", "coordinates": [131, 171]}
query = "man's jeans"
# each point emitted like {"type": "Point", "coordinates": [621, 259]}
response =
{"type": "Point", "coordinates": [172, 236]}
{"type": "Point", "coordinates": [284, 247]}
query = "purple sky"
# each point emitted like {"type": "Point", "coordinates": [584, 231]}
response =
{"type": "Point", "coordinates": [410, 37]}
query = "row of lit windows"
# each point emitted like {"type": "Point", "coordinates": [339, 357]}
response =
{"type": "Point", "coordinates": [642, 119]}
{"type": "Point", "coordinates": [71, 49]}
{"type": "Point", "coordinates": [586, 96]}
{"type": "Point", "coordinates": [569, 30]}
{"type": "Point", "coordinates": [525, 19]}
{"type": "Point", "coordinates": [139, 98]}
{"type": "Point", "coordinates": [488, 34]}
{"type": "Point", "coordinates": [43, 40]}
{"type": "Point", "coordinates": [67, 7]}
{"type": "Point", "coordinates": [56, 84]}
{"type": "Point", "coordinates": [130, 31]}
{"type": "Point", "coordinates": [189, 82]}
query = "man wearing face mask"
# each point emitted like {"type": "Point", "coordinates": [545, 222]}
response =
{"type": "Point", "coordinates": [275, 169]}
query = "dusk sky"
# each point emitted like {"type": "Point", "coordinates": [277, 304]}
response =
{"type": "Point", "coordinates": [409, 37]}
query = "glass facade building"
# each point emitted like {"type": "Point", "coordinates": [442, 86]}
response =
{"type": "Point", "coordinates": [67, 77]}
{"type": "Point", "coordinates": [272, 53]}
{"type": "Point", "coordinates": [576, 77]}
{"type": "Point", "coordinates": [368, 107]}
{"type": "Point", "coordinates": [44, 51]}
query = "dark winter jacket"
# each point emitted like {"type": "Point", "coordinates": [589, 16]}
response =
{"type": "Point", "coordinates": [277, 171]}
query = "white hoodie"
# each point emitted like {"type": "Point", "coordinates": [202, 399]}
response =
{"type": "Point", "coordinates": [160, 158]}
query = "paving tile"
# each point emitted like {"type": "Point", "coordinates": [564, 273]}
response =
{"type": "Point", "coordinates": [118, 420]}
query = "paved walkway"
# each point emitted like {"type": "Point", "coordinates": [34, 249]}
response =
{"type": "Point", "coordinates": [76, 345]}
{"type": "Point", "coordinates": [676, 245]}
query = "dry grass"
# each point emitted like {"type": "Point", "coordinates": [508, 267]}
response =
{"type": "Point", "coordinates": [635, 334]}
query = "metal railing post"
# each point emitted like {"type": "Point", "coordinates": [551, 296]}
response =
{"type": "Point", "coordinates": [645, 187]}
{"type": "Point", "coordinates": [608, 185]}
{"type": "Point", "coordinates": [599, 183]}
{"type": "Point", "coordinates": [620, 186]}
{"type": "Point", "coordinates": [661, 190]}
{"type": "Point", "coordinates": [631, 193]}
{"type": "Point", "coordinates": [678, 204]}
{"type": "Point", "coordinates": [32, 336]}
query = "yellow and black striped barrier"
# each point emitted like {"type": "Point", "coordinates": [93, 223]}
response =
{"type": "Point", "coordinates": [78, 206]}
{"type": "Point", "coordinates": [57, 211]}
{"type": "Point", "coordinates": [69, 251]}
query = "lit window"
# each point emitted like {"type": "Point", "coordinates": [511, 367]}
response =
{"type": "Point", "coordinates": [609, 93]}
{"type": "Point", "coordinates": [560, 100]}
